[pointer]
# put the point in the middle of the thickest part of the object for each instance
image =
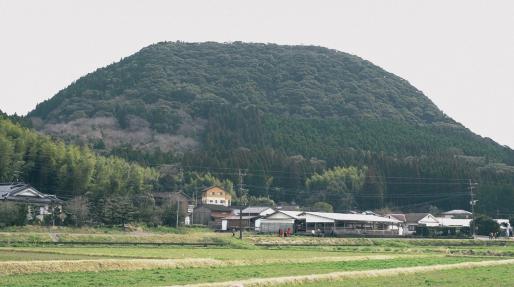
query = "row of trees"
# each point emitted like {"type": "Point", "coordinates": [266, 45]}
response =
{"type": "Point", "coordinates": [407, 183]}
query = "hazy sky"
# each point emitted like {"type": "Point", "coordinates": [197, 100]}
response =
{"type": "Point", "coordinates": [459, 53]}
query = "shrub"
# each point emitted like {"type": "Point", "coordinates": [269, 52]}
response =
{"type": "Point", "coordinates": [485, 225]}
{"type": "Point", "coordinates": [12, 214]}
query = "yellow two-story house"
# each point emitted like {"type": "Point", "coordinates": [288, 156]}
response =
{"type": "Point", "coordinates": [216, 195]}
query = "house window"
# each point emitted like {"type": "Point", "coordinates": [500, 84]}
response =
{"type": "Point", "coordinates": [412, 227]}
{"type": "Point", "coordinates": [210, 201]}
{"type": "Point", "coordinates": [216, 201]}
{"type": "Point", "coordinates": [222, 201]}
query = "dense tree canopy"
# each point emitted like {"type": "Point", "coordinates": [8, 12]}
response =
{"type": "Point", "coordinates": [338, 186]}
{"type": "Point", "coordinates": [302, 99]}
{"type": "Point", "coordinates": [66, 170]}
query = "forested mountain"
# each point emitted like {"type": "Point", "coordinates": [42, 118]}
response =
{"type": "Point", "coordinates": [284, 114]}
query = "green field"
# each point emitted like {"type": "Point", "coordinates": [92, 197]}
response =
{"type": "Point", "coordinates": [499, 276]}
{"type": "Point", "coordinates": [120, 258]}
{"type": "Point", "coordinates": [210, 274]}
{"type": "Point", "coordinates": [174, 253]}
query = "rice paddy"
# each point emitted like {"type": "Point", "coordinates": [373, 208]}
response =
{"type": "Point", "coordinates": [303, 262]}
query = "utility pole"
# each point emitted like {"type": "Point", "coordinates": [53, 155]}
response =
{"type": "Point", "coordinates": [192, 211]}
{"type": "Point", "coordinates": [241, 204]}
{"type": "Point", "coordinates": [472, 202]}
{"type": "Point", "coordinates": [178, 194]}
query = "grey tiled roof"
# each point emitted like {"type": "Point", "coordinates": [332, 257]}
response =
{"type": "Point", "coordinates": [415, 217]}
{"type": "Point", "coordinates": [9, 192]}
{"type": "Point", "coordinates": [7, 188]}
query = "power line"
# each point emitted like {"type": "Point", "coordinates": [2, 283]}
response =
{"type": "Point", "coordinates": [311, 173]}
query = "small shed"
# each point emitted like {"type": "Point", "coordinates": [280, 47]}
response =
{"type": "Point", "coordinates": [235, 222]}
{"type": "Point", "coordinates": [282, 220]}
{"type": "Point", "coordinates": [211, 215]}
{"type": "Point", "coordinates": [258, 212]}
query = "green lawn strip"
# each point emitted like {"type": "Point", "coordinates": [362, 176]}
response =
{"type": "Point", "coordinates": [383, 242]}
{"type": "Point", "coordinates": [507, 250]}
{"type": "Point", "coordinates": [156, 277]}
{"type": "Point", "coordinates": [497, 276]}
{"type": "Point", "coordinates": [179, 252]}
{"type": "Point", "coordinates": [6, 255]}
{"type": "Point", "coordinates": [229, 253]}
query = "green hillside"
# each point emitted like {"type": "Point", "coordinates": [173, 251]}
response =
{"type": "Point", "coordinates": [325, 95]}
{"type": "Point", "coordinates": [281, 112]}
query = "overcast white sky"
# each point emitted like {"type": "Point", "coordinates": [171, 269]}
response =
{"type": "Point", "coordinates": [459, 53]}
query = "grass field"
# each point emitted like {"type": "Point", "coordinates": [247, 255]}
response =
{"type": "Point", "coordinates": [497, 276]}
{"type": "Point", "coordinates": [15, 255]}
{"type": "Point", "coordinates": [71, 261]}
{"type": "Point", "coordinates": [159, 277]}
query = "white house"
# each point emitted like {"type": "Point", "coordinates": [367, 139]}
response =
{"type": "Point", "coordinates": [415, 220]}
{"type": "Point", "coordinates": [215, 195]}
{"type": "Point", "coordinates": [40, 204]}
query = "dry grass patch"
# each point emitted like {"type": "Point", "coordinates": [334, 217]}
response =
{"type": "Point", "coordinates": [29, 267]}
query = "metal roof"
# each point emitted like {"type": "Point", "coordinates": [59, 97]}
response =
{"type": "Point", "coordinates": [452, 222]}
{"type": "Point", "coordinates": [256, 209]}
{"type": "Point", "coordinates": [353, 217]}
{"type": "Point", "coordinates": [290, 213]}
{"type": "Point", "coordinates": [457, 212]}
{"type": "Point", "coordinates": [215, 207]}
{"type": "Point", "coordinates": [399, 216]}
